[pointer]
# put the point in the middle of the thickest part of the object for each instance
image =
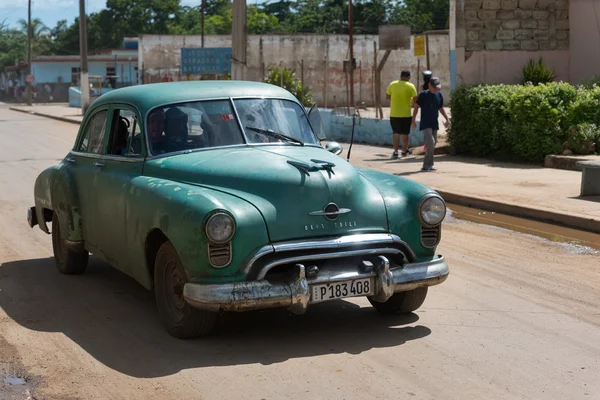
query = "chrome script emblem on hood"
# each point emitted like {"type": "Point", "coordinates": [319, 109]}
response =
{"type": "Point", "coordinates": [331, 211]}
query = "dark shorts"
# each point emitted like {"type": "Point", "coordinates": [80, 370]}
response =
{"type": "Point", "coordinates": [401, 125]}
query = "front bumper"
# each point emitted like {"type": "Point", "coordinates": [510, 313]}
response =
{"type": "Point", "coordinates": [295, 294]}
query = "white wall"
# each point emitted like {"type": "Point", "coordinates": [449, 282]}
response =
{"type": "Point", "coordinates": [323, 57]}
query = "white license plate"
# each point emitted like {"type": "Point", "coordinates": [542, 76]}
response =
{"type": "Point", "coordinates": [339, 290]}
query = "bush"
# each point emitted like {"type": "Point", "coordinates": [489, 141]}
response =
{"type": "Point", "coordinates": [536, 73]}
{"type": "Point", "coordinates": [523, 123]}
{"type": "Point", "coordinates": [286, 78]}
{"type": "Point", "coordinates": [583, 138]}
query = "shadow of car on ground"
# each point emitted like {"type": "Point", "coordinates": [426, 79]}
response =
{"type": "Point", "coordinates": [114, 319]}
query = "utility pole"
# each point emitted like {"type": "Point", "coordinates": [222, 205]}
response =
{"type": "Point", "coordinates": [29, 34]}
{"type": "Point", "coordinates": [84, 84]}
{"type": "Point", "coordinates": [202, 12]}
{"type": "Point", "coordinates": [351, 28]}
{"type": "Point", "coordinates": [239, 41]}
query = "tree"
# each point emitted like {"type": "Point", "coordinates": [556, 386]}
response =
{"type": "Point", "coordinates": [41, 41]}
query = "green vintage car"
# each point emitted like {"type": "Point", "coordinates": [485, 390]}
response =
{"type": "Point", "coordinates": [220, 197]}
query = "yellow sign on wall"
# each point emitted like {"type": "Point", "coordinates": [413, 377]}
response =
{"type": "Point", "coordinates": [419, 46]}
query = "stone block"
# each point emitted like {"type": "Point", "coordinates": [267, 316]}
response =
{"type": "Point", "coordinates": [543, 4]}
{"type": "Point", "coordinates": [511, 24]}
{"type": "Point", "coordinates": [487, 34]}
{"type": "Point", "coordinates": [529, 45]}
{"type": "Point", "coordinates": [491, 4]}
{"type": "Point", "coordinates": [545, 44]}
{"type": "Point", "coordinates": [472, 35]}
{"type": "Point", "coordinates": [474, 45]}
{"type": "Point", "coordinates": [474, 25]}
{"type": "Point", "coordinates": [529, 24]}
{"type": "Point", "coordinates": [523, 14]}
{"type": "Point", "coordinates": [511, 45]}
{"type": "Point", "coordinates": [471, 15]}
{"type": "Point", "coordinates": [527, 4]}
{"type": "Point", "coordinates": [493, 45]}
{"type": "Point", "coordinates": [506, 14]}
{"type": "Point", "coordinates": [509, 4]}
{"type": "Point", "coordinates": [562, 14]}
{"type": "Point", "coordinates": [523, 34]}
{"type": "Point", "coordinates": [486, 14]}
{"type": "Point", "coordinates": [543, 24]}
{"type": "Point", "coordinates": [505, 34]}
{"type": "Point", "coordinates": [539, 15]}
{"type": "Point", "coordinates": [493, 25]}
{"type": "Point", "coordinates": [562, 24]}
{"type": "Point", "coordinates": [562, 4]}
{"type": "Point", "coordinates": [541, 34]}
{"type": "Point", "coordinates": [473, 4]}
{"type": "Point", "coordinates": [562, 44]}
{"type": "Point", "coordinates": [562, 35]}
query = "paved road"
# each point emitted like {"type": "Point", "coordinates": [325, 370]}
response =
{"type": "Point", "coordinates": [518, 318]}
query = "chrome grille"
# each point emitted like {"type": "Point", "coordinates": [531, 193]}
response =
{"type": "Point", "coordinates": [430, 237]}
{"type": "Point", "coordinates": [219, 255]}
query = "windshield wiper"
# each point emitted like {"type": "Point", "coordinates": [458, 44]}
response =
{"type": "Point", "coordinates": [276, 134]}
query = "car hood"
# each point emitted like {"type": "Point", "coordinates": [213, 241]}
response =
{"type": "Point", "coordinates": [288, 184]}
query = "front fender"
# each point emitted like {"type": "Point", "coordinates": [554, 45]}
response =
{"type": "Point", "coordinates": [401, 197]}
{"type": "Point", "coordinates": [179, 210]}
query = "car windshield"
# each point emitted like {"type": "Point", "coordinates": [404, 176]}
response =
{"type": "Point", "coordinates": [271, 120]}
{"type": "Point", "coordinates": [206, 124]}
{"type": "Point", "coordinates": [193, 125]}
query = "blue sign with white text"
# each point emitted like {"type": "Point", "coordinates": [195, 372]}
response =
{"type": "Point", "coordinates": [211, 60]}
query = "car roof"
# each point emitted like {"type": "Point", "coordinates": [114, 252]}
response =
{"type": "Point", "coordinates": [147, 96]}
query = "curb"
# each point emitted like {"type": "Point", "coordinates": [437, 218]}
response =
{"type": "Point", "coordinates": [45, 115]}
{"type": "Point", "coordinates": [566, 220]}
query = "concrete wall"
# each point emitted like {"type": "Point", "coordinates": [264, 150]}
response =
{"type": "Point", "coordinates": [585, 39]}
{"type": "Point", "coordinates": [316, 58]}
{"type": "Point", "coordinates": [366, 130]}
{"type": "Point", "coordinates": [496, 38]}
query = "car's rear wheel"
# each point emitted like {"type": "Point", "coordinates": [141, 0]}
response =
{"type": "Point", "coordinates": [67, 261]}
{"type": "Point", "coordinates": [402, 302]}
{"type": "Point", "coordinates": [181, 320]}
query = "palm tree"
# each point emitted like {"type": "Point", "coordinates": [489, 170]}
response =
{"type": "Point", "coordinates": [40, 36]}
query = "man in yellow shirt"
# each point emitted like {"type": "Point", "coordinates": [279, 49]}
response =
{"type": "Point", "coordinates": [401, 94]}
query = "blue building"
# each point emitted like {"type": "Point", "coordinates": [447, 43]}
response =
{"type": "Point", "coordinates": [54, 75]}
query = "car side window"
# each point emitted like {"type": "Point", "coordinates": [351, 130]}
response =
{"type": "Point", "coordinates": [93, 139]}
{"type": "Point", "coordinates": [125, 139]}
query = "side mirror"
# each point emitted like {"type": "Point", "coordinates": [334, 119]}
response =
{"type": "Point", "coordinates": [334, 147]}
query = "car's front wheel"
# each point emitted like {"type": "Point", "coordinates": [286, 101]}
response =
{"type": "Point", "coordinates": [67, 261]}
{"type": "Point", "coordinates": [181, 320]}
{"type": "Point", "coordinates": [402, 302]}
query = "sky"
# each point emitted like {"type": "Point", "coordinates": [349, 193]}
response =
{"type": "Point", "coordinates": [52, 11]}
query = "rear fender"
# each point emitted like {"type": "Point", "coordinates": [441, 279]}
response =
{"type": "Point", "coordinates": [56, 190]}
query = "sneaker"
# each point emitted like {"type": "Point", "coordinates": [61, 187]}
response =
{"type": "Point", "coordinates": [409, 151]}
{"type": "Point", "coordinates": [424, 169]}
{"type": "Point", "coordinates": [394, 155]}
{"type": "Point", "coordinates": [404, 154]}
{"type": "Point", "coordinates": [433, 168]}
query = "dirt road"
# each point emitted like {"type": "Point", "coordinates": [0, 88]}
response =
{"type": "Point", "coordinates": [518, 318]}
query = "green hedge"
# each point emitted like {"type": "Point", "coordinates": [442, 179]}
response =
{"type": "Point", "coordinates": [522, 122]}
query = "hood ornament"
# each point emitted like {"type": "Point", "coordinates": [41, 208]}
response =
{"type": "Point", "coordinates": [331, 211]}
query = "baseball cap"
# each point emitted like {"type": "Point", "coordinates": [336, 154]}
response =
{"type": "Point", "coordinates": [435, 82]}
{"type": "Point", "coordinates": [405, 73]}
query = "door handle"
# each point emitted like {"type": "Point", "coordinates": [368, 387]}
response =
{"type": "Point", "coordinates": [70, 160]}
{"type": "Point", "coordinates": [98, 164]}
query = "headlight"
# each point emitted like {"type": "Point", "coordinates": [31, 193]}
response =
{"type": "Point", "coordinates": [220, 228]}
{"type": "Point", "coordinates": [433, 210]}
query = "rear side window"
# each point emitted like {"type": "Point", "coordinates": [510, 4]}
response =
{"type": "Point", "coordinates": [93, 138]}
{"type": "Point", "coordinates": [126, 138]}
